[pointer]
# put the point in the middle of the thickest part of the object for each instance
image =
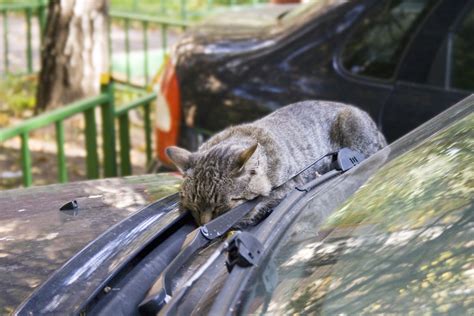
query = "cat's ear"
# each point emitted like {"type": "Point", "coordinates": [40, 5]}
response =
{"type": "Point", "coordinates": [180, 157]}
{"type": "Point", "coordinates": [245, 155]}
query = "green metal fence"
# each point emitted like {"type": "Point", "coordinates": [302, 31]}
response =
{"type": "Point", "coordinates": [180, 8]}
{"type": "Point", "coordinates": [105, 100]}
{"type": "Point", "coordinates": [145, 22]}
{"type": "Point", "coordinates": [164, 15]}
{"type": "Point", "coordinates": [167, 14]}
{"type": "Point", "coordinates": [30, 11]}
{"type": "Point", "coordinates": [109, 113]}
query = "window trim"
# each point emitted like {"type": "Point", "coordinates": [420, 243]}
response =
{"type": "Point", "coordinates": [466, 10]}
{"type": "Point", "coordinates": [347, 74]}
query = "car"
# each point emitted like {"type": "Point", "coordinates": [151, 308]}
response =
{"type": "Point", "coordinates": [401, 61]}
{"type": "Point", "coordinates": [391, 233]}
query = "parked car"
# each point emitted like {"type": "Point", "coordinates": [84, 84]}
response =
{"type": "Point", "coordinates": [402, 61]}
{"type": "Point", "coordinates": [391, 235]}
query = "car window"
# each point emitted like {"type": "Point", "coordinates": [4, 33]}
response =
{"type": "Point", "coordinates": [376, 46]}
{"type": "Point", "coordinates": [462, 62]}
{"type": "Point", "coordinates": [401, 244]}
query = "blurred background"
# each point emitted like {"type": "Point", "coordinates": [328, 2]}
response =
{"type": "Point", "coordinates": [52, 54]}
{"type": "Point", "coordinates": [92, 89]}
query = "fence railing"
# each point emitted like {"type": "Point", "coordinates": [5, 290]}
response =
{"type": "Point", "coordinates": [145, 22]}
{"type": "Point", "coordinates": [167, 15]}
{"type": "Point", "coordinates": [106, 101]}
{"type": "Point", "coordinates": [29, 11]}
{"type": "Point", "coordinates": [184, 9]}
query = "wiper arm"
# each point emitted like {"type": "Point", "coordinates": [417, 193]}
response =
{"type": "Point", "coordinates": [229, 296]}
{"type": "Point", "coordinates": [161, 292]}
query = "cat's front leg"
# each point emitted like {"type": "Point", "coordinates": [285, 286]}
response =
{"type": "Point", "coordinates": [258, 213]}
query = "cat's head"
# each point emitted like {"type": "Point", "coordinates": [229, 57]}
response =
{"type": "Point", "coordinates": [220, 178]}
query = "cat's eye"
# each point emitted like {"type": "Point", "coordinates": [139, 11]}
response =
{"type": "Point", "coordinates": [253, 172]}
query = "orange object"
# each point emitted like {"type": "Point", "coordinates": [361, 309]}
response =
{"type": "Point", "coordinates": [168, 112]}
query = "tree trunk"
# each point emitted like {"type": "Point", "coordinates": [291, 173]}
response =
{"type": "Point", "coordinates": [74, 52]}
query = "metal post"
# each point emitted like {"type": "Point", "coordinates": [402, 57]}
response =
{"type": "Point", "coordinates": [125, 164]}
{"type": "Point", "coordinates": [162, 7]}
{"type": "Point", "coordinates": [164, 37]}
{"type": "Point", "coordinates": [109, 34]}
{"type": "Point", "coordinates": [62, 170]}
{"type": "Point", "coordinates": [184, 9]}
{"type": "Point", "coordinates": [147, 114]}
{"type": "Point", "coordinates": [108, 128]}
{"type": "Point", "coordinates": [26, 161]}
{"type": "Point", "coordinates": [42, 16]}
{"type": "Point", "coordinates": [29, 54]}
{"type": "Point", "coordinates": [5, 40]}
{"type": "Point", "coordinates": [92, 158]}
{"type": "Point", "coordinates": [127, 48]}
{"type": "Point", "coordinates": [145, 51]}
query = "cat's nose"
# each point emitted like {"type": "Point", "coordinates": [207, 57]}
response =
{"type": "Point", "coordinates": [206, 218]}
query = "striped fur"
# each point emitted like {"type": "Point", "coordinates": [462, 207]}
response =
{"type": "Point", "coordinates": [246, 161]}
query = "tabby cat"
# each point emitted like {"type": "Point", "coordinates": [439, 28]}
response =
{"type": "Point", "coordinates": [249, 160]}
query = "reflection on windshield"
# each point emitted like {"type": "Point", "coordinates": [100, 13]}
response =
{"type": "Point", "coordinates": [403, 243]}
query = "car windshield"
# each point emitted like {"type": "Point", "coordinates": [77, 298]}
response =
{"type": "Point", "coordinates": [402, 242]}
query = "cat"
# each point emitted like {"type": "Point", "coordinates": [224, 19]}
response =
{"type": "Point", "coordinates": [245, 161]}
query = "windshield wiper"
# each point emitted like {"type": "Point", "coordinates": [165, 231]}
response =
{"type": "Point", "coordinates": [162, 291]}
{"type": "Point", "coordinates": [284, 214]}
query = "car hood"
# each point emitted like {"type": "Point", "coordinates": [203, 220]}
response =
{"type": "Point", "coordinates": [36, 238]}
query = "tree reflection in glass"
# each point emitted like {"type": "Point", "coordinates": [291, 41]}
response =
{"type": "Point", "coordinates": [402, 244]}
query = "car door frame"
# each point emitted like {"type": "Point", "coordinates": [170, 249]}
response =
{"type": "Point", "coordinates": [435, 96]}
{"type": "Point", "coordinates": [382, 83]}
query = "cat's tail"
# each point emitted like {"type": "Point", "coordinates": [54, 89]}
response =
{"type": "Point", "coordinates": [355, 129]}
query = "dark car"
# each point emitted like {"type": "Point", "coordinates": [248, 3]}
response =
{"type": "Point", "coordinates": [390, 235]}
{"type": "Point", "coordinates": [402, 61]}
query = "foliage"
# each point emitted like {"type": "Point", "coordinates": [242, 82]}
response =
{"type": "Point", "coordinates": [402, 244]}
{"type": "Point", "coordinates": [17, 96]}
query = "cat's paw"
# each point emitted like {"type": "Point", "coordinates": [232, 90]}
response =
{"type": "Point", "coordinates": [259, 213]}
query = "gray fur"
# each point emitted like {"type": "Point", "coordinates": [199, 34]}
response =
{"type": "Point", "coordinates": [229, 169]}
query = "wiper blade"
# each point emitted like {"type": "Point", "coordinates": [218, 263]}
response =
{"type": "Point", "coordinates": [235, 285]}
{"type": "Point", "coordinates": [161, 292]}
